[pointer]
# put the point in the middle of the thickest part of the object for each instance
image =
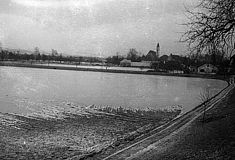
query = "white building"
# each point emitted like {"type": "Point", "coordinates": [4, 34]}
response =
{"type": "Point", "coordinates": [145, 64]}
{"type": "Point", "coordinates": [207, 69]}
{"type": "Point", "coordinates": [125, 63]}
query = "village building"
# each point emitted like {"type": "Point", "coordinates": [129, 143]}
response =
{"type": "Point", "coordinates": [193, 69]}
{"type": "Point", "coordinates": [207, 69]}
{"type": "Point", "coordinates": [163, 58]}
{"type": "Point", "coordinates": [125, 63]}
{"type": "Point", "coordinates": [173, 57]}
{"type": "Point", "coordinates": [158, 50]}
{"type": "Point", "coordinates": [144, 64]}
{"type": "Point", "coordinates": [150, 60]}
{"type": "Point", "coordinates": [129, 63]}
{"type": "Point", "coordinates": [153, 55]}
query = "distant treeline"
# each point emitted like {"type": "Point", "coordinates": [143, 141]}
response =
{"type": "Point", "coordinates": [37, 56]}
{"type": "Point", "coordinates": [164, 63]}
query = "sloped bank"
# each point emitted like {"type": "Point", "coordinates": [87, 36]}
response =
{"type": "Point", "coordinates": [211, 137]}
{"type": "Point", "coordinates": [80, 132]}
{"type": "Point", "coordinates": [159, 139]}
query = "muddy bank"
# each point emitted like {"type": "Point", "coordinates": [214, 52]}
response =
{"type": "Point", "coordinates": [211, 137]}
{"type": "Point", "coordinates": [79, 134]}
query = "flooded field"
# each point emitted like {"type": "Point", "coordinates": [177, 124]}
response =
{"type": "Point", "coordinates": [56, 114]}
{"type": "Point", "coordinates": [98, 67]}
{"type": "Point", "coordinates": [25, 90]}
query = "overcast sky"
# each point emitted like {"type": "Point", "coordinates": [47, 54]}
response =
{"type": "Point", "coordinates": [93, 27]}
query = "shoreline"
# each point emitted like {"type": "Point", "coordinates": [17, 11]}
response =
{"type": "Point", "coordinates": [128, 141]}
{"type": "Point", "coordinates": [132, 139]}
{"type": "Point", "coordinates": [209, 137]}
{"type": "Point", "coordinates": [164, 132]}
{"type": "Point", "coordinates": [110, 70]}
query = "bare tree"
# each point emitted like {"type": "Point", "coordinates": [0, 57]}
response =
{"type": "Point", "coordinates": [133, 55]}
{"type": "Point", "coordinates": [211, 26]}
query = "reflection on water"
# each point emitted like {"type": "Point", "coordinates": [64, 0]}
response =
{"type": "Point", "coordinates": [24, 89]}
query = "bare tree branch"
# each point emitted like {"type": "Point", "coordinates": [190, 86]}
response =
{"type": "Point", "coordinates": [211, 23]}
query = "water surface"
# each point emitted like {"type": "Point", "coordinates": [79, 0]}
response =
{"type": "Point", "coordinates": [26, 90]}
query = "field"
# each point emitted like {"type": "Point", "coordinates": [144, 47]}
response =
{"type": "Point", "coordinates": [76, 132]}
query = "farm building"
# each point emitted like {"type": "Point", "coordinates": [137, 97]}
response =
{"type": "Point", "coordinates": [145, 64]}
{"type": "Point", "coordinates": [207, 69]}
{"type": "Point", "coordinates": [125, 63]}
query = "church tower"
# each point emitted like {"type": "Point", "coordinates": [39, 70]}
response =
{"type": "Point", "coordinates": [158, 50]}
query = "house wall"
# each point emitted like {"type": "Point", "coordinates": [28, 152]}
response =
{"type": "Point", "coordinates": [140, 64]}
{"type": "Point", "coordinates": [207, 68]}
{"type": "Point", "coordinates": [125, 64]}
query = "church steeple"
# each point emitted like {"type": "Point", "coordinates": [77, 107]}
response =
{"type": "Point", "coordinates": [158, 50]}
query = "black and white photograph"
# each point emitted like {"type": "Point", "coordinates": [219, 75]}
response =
{"type": "Point", "coordinates": [117, 79]}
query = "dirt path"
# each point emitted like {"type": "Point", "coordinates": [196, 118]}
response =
{"type": "Point", "coordinates": [162, 137]}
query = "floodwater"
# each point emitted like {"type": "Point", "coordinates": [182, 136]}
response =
{"type": "Point", "coordinates": [97, 67]}
{"type": "Point", "coordinates": [24, 90]}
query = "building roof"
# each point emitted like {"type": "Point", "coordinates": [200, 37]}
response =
{"type": "Point", "coordinates": [151, 56]}
{"type": "Point", "coordinates": [141, 64]}
{"type": "Point", "coordinates": [164, 57]}
{"type": "Point", "coordinates": [125, 61]}
{"type": "Point", "coordinates": [207, 65]}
